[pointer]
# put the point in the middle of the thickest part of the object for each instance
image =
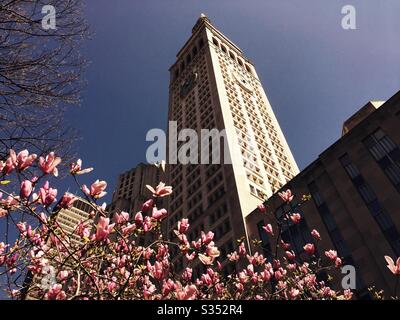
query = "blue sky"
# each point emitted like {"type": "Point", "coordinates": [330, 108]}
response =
{"type": "Point", "coordinates": [315, 73]}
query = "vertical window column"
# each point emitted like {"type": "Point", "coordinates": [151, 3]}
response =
{"type": "Point", "coordinates": [380, 215]}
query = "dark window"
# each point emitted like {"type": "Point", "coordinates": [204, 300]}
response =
{"type": "Point", "coordinates": [215, 41]}
{"type": "Point", "coordinates": [386, 153]}
{"type": "Point", "coordinates": [380, 215]}
{"type": "Point", "coordinates": [329, 221]}
{"type": "Point", "coordinates": [265, 243]}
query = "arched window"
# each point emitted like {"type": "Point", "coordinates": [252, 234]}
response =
{"type": "Point", "coordinates": [223, 48]}
{"type": "Point", "coordinates": [240, 62]}
{"type": "Point", "coordinates": [231, 55]}
{"type": "Point", "coordinates": [188, 59]}
{"type": "Point", "coordinates": [201, 43]}
{"type": "Point", "coordinates": [248, 68]}
{"type": "Point", "coordinates": [194, 51]}
{"type": "Point", "coordinates": [176, 73]}
{"type": "Point", "coordinates": [215, 41]}
{"type": "Point", "coordinates": [182, 66]}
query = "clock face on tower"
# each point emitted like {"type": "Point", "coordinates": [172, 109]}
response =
{"type": "Point", "coordinates": [242, 81]}
{"type": "Point", "coordinates": [188, 85]}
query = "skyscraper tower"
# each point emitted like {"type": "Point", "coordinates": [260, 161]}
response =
{"type": "Point", "coordinates": [213, 85]}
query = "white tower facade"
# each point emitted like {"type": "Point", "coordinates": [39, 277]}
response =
{"type": "Point", "coordinates": [213, 85]}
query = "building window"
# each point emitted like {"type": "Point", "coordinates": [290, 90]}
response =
{"type": "Point", "coordinates": [223, 48]}
{"type": "Point", "coordinates": [194, 51]}
{"type": "Point", "coordinates": [329, 222]}
{"type": "Point", "coordinates": [248, 68]}
{"type": "Point", "coordinates": [387, 154]}
{"type": "Point", "coordinates": [296, 234]}
{"type": "Point", "coordinates": [265, 243]}
{"type": "Point", "coordinates": [231, 55]}
{"type": "Point", "coordinates": [215, 41]}
{"type": "Point", "coordinates": [380, 215]}
{"type": "Point", "coordinates": [201, 43]}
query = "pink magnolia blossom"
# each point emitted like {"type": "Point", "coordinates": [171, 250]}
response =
{"type": "Point", "coordinates": [206, 238]}
{"type": "Point", "coordinates": [285, 245]}
{"type": "Point", "coordinates": [279, 274]}
{"type": "Point", "coordinates": [47, 195]}
{"type": "Point", "coordinates": [147, 224]}
{"type": "Point", "coordinates": [331, 254]}
{"type": "Point", "coordinates": [128, 229]}
{"type": "Point", "coordinates": [256, 259]}
{"type": "Point", "coordinates": [394, 268]}
{"type": "Point", "coordinates": [10, 201]}
{"type": "Point", "coordinates": [309, 248]}
{"type": "Point", "coordinates": [242, 249]}
{"type": "Point", "coordinates": [286, 195]}
{"type": "Point", "coordinates": [96, 189]}
{"type": "Point", "coordinates": [63, 275]}
{"type": "Point", "coordinates": [2, 166]}
{"type": "Point", "coordinates": [26, 189]}
{"type": "Point", "coordinates": [233, 256]}
{"type": "Point", "coordinates": [138, 218]}
{"type": "Point", "coordinates": [348, 295]}
{"type": "Point", "coordinates": [316, 234]}
{"type": "Point", "coordinates": [290, 255]}
{"type": "Point", "coordinates": [161, 190]}
{"type": "Point", "coordinates": [147, 205]}
{"type": "Point", "coordinates": [159, 214]}
{"type": "Point", "coordinates": [212, 251]}
{"type": "Point", "coordinates": [187, 274]}
{"type": "Point", "coordinates": [186, 293]}
{"type": "Point", "coordinates": [55, 293]}
{"type": "Point", "coordinates": [268, 229]}
{"type": "Point", "coordinates": [67, 200]}
{"type": "Point", "coordinates": [122, 217]}
{"type": "Point", "coordinates": [191, 256]}
{"type": "Point", "coordinates": [265, 275]}
{"type": "Point", "coordinates": [294, 293]}
{"type": "Point", "coordinates": [83, 230]}
{"type": "Point", "coordinates": [183, 225]}
{"type": "Point", "coordinates": [261, 207]}
{"type": "Point", "coordinates": [24, 160]}
{"type": "Point", "coordinates": [156, 270]}
{"type": "Point", "coordinates": [104, 228]}
{"type": "Point", "coordinates": [291, 266]}
{"type": "Point", "coordinates": [49, 164]}
{"type": "Point", "coordinates": [206, 260]}
{"type": "Point", "coordinates": [10, 164]}
{"type": "Point", "coordinates": [295, 217]}
{"type": "Point", "coordinates": [76, 168]}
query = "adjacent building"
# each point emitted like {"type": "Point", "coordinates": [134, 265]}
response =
{"type": "Point", "coordinates": [131, 191]}
{"type": "Point", "coordinates": [355, 201]}
{"type": "Point", "coordinates": [69, 219]}
{"type": "Point", "coordinates": [213, 85]}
